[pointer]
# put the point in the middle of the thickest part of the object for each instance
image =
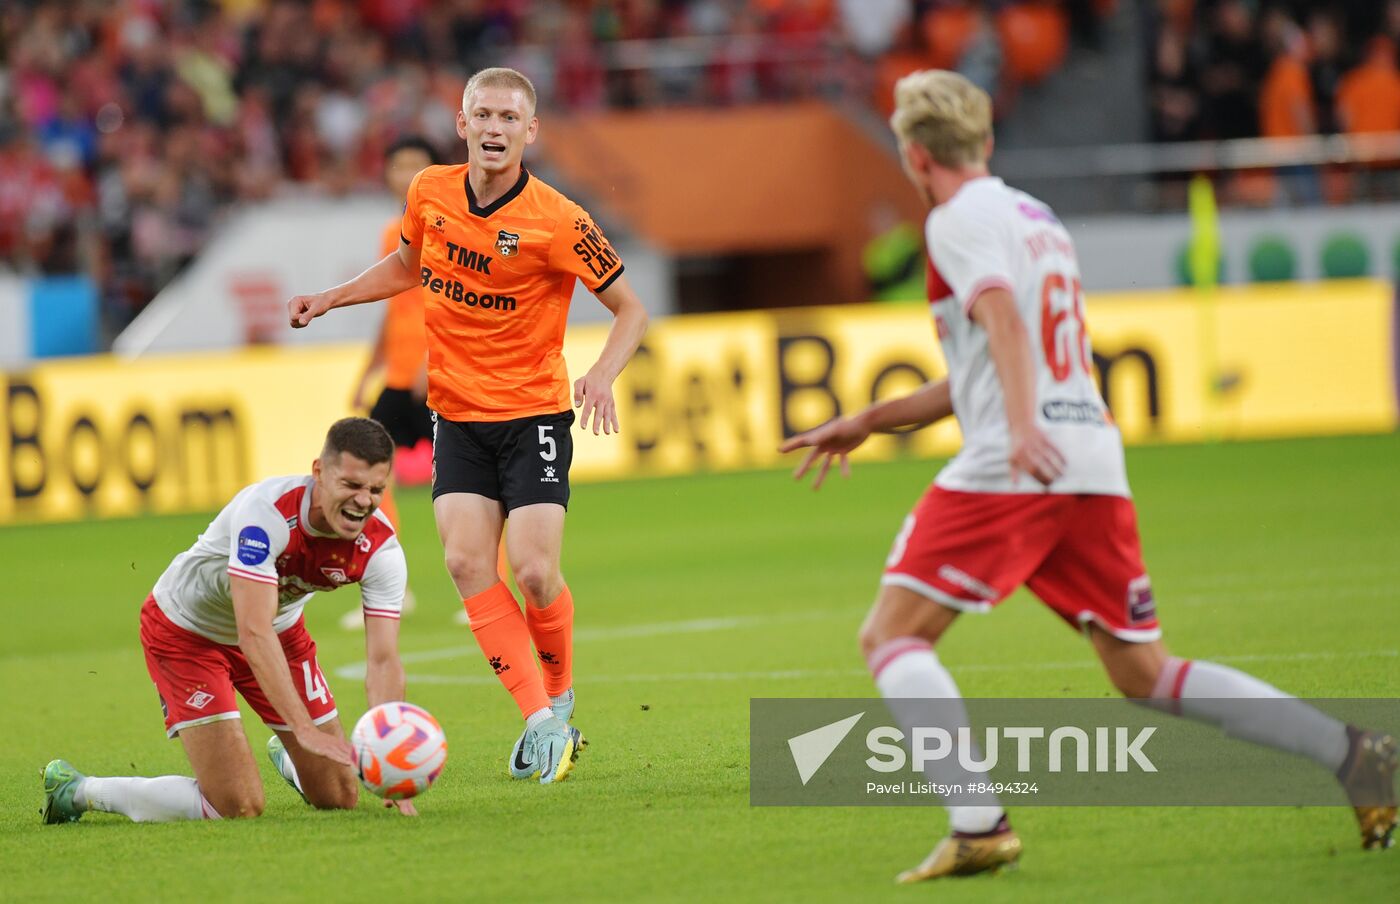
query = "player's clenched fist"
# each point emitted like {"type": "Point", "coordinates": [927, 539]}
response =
{"type": "Point", "coordinates": [303, 309]}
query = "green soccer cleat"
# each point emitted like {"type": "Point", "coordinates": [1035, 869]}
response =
{"type": "Point", "coordinates": [522, 759]}
{"type": "Point", "coordinates": [61, 780]}
{"type": "Point", "coordinates": [277, 752]}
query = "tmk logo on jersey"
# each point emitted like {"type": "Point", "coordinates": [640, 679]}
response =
{"type": "Point", "coordinates": [1066, 748]}
{"type": "Point", "coordinates": [337, 575]}
{"type": "Point", "coordinates": [507, 244]}
{"type": "Point", "coordinates": [464, 257]}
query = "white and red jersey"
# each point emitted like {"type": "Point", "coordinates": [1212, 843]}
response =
{"type": "Point", "coordinates": [265, 534]}
{"type": "Point", "coordinates": [991, 236]}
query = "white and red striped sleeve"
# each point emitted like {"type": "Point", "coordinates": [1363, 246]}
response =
{"type": "Point", "coordinates": [384, 582]}
{"type": "Point", "coordinates": [971, 251]}
{"type": "Point", "coordinates": [258, 534]}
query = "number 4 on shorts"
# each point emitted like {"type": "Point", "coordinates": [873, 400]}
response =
{"type": "Point", "coordinates": [315, 683]}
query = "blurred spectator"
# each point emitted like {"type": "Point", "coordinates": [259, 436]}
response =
{"type": "Point", "coordinates": [1368, 97]}
{"type": "Point", "coordinates": [1325, 70]}
{"type": "Point", "coordinates": [1286, 108]}
{"type": "Point", "coordinates": [1231, 73]}
{"type": "Point", "coordinates": [1174, 93]}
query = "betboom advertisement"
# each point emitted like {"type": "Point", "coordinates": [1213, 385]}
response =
{"type": "Point", "coordinates": [109, 437]}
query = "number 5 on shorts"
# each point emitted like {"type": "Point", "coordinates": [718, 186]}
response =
{"type": "Point", "coordinates": [315, 683]}
{"type": "Point", "coordinates": [549, 450]}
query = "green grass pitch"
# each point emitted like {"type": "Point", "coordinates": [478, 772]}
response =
{"type": "Point", "coordinates": [693, 596]}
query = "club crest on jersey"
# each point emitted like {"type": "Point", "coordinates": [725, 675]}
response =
{"type": "Point", "coordinates": [507, 243]}
{"type": "Point", "coordinates": [337, 575]}
{"type": "Point", "coordinates": [1141, 606]}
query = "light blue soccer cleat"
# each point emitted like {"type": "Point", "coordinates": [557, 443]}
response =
{"type": "Point", "coordinates": [522, 758]}
{"type": "Point", "coordinates": [556, 745]}
{"type": "Point", "coordinates": [277, 752]}
{"type": "Point", "coordinates": [61, 780]}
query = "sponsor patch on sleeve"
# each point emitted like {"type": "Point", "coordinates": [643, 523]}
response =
{"type": "Point", "coordinates": [253, 545]}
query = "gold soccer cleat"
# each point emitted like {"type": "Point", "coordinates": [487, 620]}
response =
{"type": "Point", "coordinates": [1368, 775]}
{"type": "Point", "coordinates": [962, 856]}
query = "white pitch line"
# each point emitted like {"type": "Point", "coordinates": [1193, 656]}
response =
{"type": "Point", "coordinates": [1087, 662]}
{"type": "Point", "coordinates": [616, 632]}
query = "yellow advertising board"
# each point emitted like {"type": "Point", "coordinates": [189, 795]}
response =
{"type": "Point", "coordinates": [108, 437]}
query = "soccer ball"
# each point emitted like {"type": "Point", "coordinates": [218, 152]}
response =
{"type": "Point", "coordinates": [399, 750]}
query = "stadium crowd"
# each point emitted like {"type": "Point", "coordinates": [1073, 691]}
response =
{"type": "Point", "coordinates": [1221, 69]}
{"type": "Point", "coordinates": [127, 129]}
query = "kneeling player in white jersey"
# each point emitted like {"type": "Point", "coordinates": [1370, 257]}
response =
{"type": "Point", "coordinates": [1038, 495]}
{"type": "Point", "coordinates": [226, 616]}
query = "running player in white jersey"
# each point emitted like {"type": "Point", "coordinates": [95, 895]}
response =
{"type": "Point", "coordinates": [226, 616]}
{"type": "Point", "coordinates": [1038, 495]}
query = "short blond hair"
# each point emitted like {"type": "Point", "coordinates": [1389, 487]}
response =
{"type": "Point", "coordinates": [500, 77]}
{"type": "Point", "coordinates": [946, 114]}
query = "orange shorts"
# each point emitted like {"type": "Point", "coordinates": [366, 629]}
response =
{"type": "Point", "coordinates": [1079, 554]}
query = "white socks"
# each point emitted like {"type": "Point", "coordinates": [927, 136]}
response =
{"type": "Point", "coordinates": [165, 799]}
{"type": "Point", "coordinates": [1200, 688]}
{"type": "Point", "coordinates": [907, 669]}
{"type": "Point", "coordinates": [538, 716]}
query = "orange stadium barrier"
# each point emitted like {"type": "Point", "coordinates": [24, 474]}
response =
{"type": "Point", "coordinates": [104, 436]}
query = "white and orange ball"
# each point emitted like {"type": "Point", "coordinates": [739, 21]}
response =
{"type": "Point", "coordinates": [399, 750]}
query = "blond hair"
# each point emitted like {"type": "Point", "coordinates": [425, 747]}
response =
{"type": "Point", "coordinates": [946, 114]}
{"type": "Point", "coordinates": [500, 77]}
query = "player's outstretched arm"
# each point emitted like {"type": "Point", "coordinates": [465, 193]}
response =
{"type": "Point", "coordinates": [253, 606]}
{"type": "Point", "coordinates": [384, 679]}
{"type": "Point", "coordinates": [839, 436]}
{"type": "Point", "coordinates": [593, 393]}
{"type": "Point", "coordinates": [397, 272]}
{"type": "Point", "coordinates": [1032, 452]}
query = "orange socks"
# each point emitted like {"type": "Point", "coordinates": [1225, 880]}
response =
{"type": "Point", "coordinates": [552, 629]}
{"type": "Point", "coordinates": [500, 631]}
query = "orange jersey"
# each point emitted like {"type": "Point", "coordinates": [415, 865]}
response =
{"type": "Point", "coordinates": [405, 345]}
{"type": "Point", "coordinates": [496, 287]}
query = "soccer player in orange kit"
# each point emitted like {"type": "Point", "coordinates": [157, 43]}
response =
{"type": "Point", "coordinates": [496, 253]}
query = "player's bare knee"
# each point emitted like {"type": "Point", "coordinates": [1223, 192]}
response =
{"type": "Point", "coordinates": [869, 638]}
{"type": "Point", "coordinates": [469, 570]}
{"type": "Point", "coordinates": [1134, 683]}
{"type": "Point", "coordinates": [540, 582]}
{"type": "Point", "coordinates": [341, 797]}
{"type": "Point", "coordinates": [244, 805]}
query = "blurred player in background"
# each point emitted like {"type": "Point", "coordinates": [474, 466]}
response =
{"type": "Point", "coordinates": [1039, 493]}
{"type": "Point", "coordinates": [400, 355]}
{"type": "Point", "coordinates": [226, 616]}
{"type": "Point", "coordinates": [497, 252]}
